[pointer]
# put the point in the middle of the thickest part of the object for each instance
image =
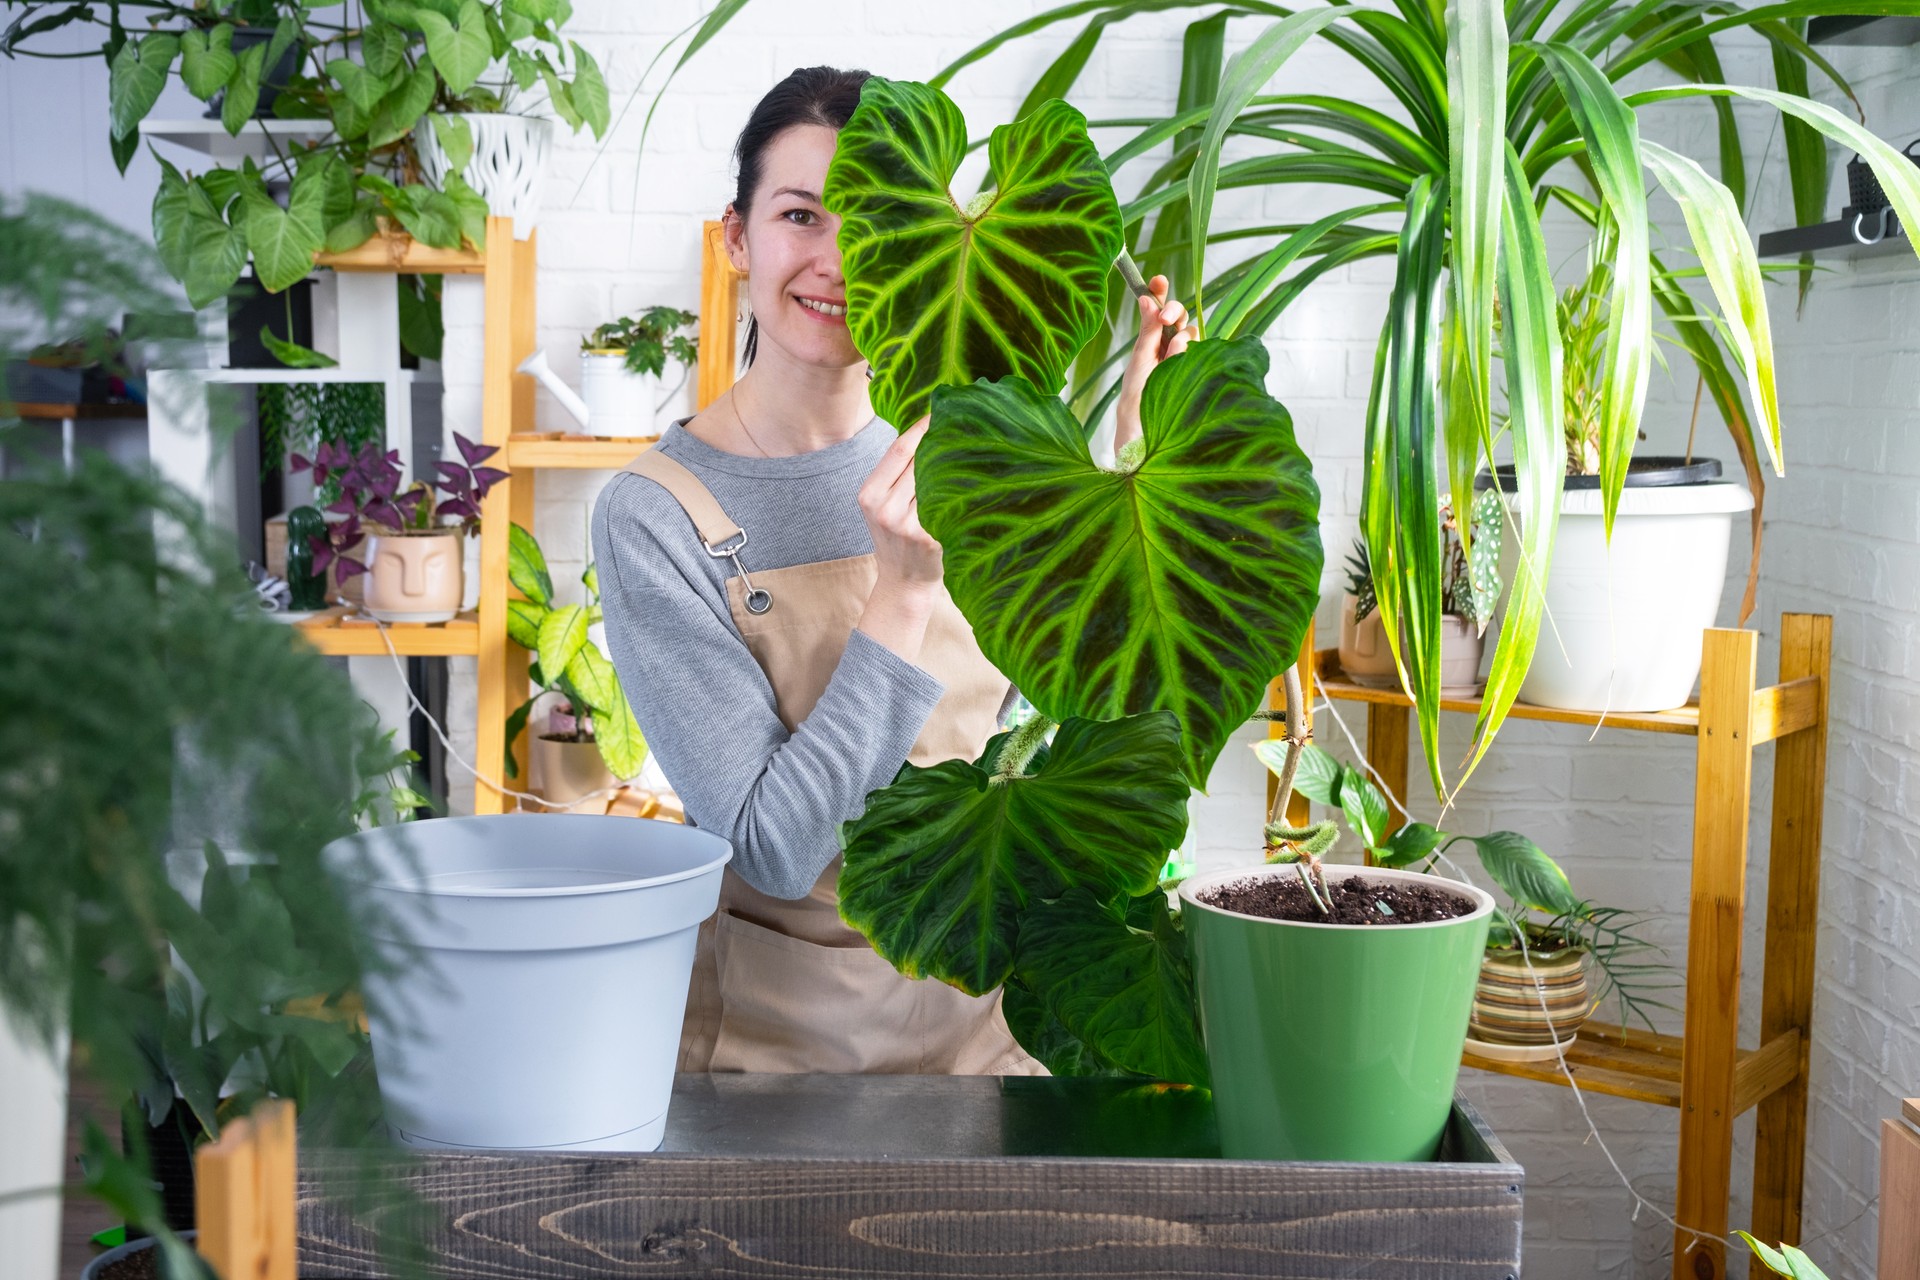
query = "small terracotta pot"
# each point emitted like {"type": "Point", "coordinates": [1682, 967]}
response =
{"type": "Point", "coordinates": [565, 771]}
{"type": "Point", "coordinates": [414, 577]}
{"type": "Point", "coordinates": [1366, 659]}
{"type": "Point", "coordinates": [1507, 999]}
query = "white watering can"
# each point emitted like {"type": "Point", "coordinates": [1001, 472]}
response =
{"type": "Point", "coordinates": [613, 400]}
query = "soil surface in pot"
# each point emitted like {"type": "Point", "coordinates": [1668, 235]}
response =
{"type": "Point", "coordinates": [144, 1265]}
{"type": "Point", "coordinates": [1355, 901]}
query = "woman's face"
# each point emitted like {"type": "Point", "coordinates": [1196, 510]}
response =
{"type": "Point", "coordinates": [787, 244]}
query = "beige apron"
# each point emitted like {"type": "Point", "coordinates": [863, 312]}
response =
{"type": "Point", "coordinates": [782, 985]}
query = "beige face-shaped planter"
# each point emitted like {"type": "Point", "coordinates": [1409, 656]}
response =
{"type": "Point", "coordinates": [414, 577]}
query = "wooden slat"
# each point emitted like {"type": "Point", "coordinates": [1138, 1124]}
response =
{"type": "Point", "coordinates": [581, 453]}
{"type": "Point", "coordinates": [340, 633]}
{"type": "Point", "coordinates": [1793, 910]}
{"type": "Point", "coordinates": [719, 312]}
{"type": "Point", "coordinates": [1605, 1058]}
{"type": "Point", "coordinates": [845, 1178]}
{"type": "Point", "coordinates": [78, 412]}
{"type": "Point", "coordinates": [401, 253]}
{"type": "Point", "coordinates": [1679, 720]}
{"type": "Point", "coordinates": [1787, 707]}
{"type": "Point", "coordinates": [1723, 787]}
{"type": "Point", "coordinates": [1767, 1070]}
{"type": "Point", "coordinates": [509, 320]}
{"type": "Point", "coordinates": [1387, 750]}
{"type": "Point", "coordinates": [1910, 1110]}
{"type": "Point", "coordinates": [244, 1196]}
{"type": "Point", "coordinates": [1899, 1198]}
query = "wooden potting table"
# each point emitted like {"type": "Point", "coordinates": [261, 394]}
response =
{"type": "Point", "coordinates": [844, 1177]}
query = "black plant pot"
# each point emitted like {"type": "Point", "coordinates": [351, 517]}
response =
{"type": "Point", "coordinates": [1642, 473]}
{"type": "Point", "coordinates": [170, 1147]}
{"type": "Point", "coordinates": [272, 79]}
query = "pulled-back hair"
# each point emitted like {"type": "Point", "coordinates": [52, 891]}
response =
{"type": "Point", "coordinates": [809, 95]}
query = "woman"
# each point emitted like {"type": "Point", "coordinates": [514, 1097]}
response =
{"type": "Point", "coordinates": [777, 617]}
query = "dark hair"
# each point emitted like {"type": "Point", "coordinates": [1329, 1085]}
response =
{"type": "Point", "coordinates": [809, 95]}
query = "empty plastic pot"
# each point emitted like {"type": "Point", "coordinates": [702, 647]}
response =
{"type": "Point", "coordinates": [536, 1000]}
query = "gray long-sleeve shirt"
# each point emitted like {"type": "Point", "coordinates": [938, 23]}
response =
{"type": "Point", "coordinates": [704, 704]}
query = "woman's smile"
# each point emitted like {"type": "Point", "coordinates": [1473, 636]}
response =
{"type": "Point", "coordinates": [824, 310]}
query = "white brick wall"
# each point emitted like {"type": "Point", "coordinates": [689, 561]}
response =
{"type": "Point", "coordinates": [1843, 534]}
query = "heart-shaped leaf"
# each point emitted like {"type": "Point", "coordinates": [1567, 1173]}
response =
{"type": "Point", "coordinates": [362, 86]}
{"type": "Point", "coordinates": [292, 354]}
{"type": "Point", "coordinates": [243, 89]}
{"type": "Point", "coordinates": [589, 92]}
{"type": "Point", "coordinates": [383, 46]}
{"type": "Point", "coordinates": [460, 52]}
{"type": "Point", "coordinates": [1127, 991]}
{"type": "Point", "coordinates": [563, 633]}
{"type": "Point", "coordinates": [938, 294]}
{"type": "Point", "coordinates": [940, 866]}
{"type": "Point", "coordinates": [135, 78]}
{"type": "Point", "coordinates": [1042, 1034]}
{"type": "Point", "coordinates": [401, 109]}
{"type": "Point", "coordinates": [455, 136]}
{"type": "Point", "coordinates": [171, 214]}
{"type": "Point", "coordinates": [206, 59]}
{"type": "Point", "coordinates": [284, 241]}
{"type": "Point", "coordinates": [214, 252]}
{"type": "Point", "coordinates": [1183, 584]}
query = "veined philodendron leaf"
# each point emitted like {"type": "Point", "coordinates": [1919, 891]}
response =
{"type": "Point", "coordinates": [942, 863]}
{"type": "Point", "coordinates": [940, 295]}
{"type": "Point", "coordinates": [1125, 988]}
{"type": "Point", "coordinates": [1182, 584]}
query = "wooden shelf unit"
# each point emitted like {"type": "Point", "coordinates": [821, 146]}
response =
{"type": "Point", "coordinates": [1703, 1072]}
{"type": "Point", "coordinates": [343, 633]}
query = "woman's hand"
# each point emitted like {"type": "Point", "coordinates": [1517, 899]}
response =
{"type": "Point", "coordinates": [907, 557]}
{"type": "Point", "coordinates": [1156, 315]}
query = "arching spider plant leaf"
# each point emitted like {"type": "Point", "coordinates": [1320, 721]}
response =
{"type": "Point", "coordinates": [940, 295]}
{"type": "Point", "coordinates": [1124, 986]}
{"type": "Point", "coordinates": [942, 864]}
{"type": "Point", "coordinates": [1181, 584]}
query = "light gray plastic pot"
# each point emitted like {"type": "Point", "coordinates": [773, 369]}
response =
{"type": "Point", "coordinates": [538, 1002]}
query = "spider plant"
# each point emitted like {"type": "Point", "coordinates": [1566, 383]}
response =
{"type": "Point", "coordinates": [1499, 110]}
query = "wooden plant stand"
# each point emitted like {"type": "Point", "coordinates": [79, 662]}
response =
{"type": "Point", "coordinates": [1704, 1072]}
{"type": "Point", "coordinates": [853, 1177]}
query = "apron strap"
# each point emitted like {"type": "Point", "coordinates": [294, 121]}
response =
{"type": "Point", "coordinates": [722, 538]}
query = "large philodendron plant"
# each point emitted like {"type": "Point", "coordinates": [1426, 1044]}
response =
{"type": "Point", "coordinates": [1497, 110]}
{"type": "Point", "coordinates": [1143, 607]}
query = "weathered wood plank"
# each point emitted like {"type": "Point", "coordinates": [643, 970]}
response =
{"type": "Point", "coordinates": [930, 1176]}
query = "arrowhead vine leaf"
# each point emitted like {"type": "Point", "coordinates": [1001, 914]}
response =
{"type": "Point", "coordinates": [938, 294]}
{"type": "Point", "coordinates": [1183, 584]}
{"type": "Point", "coordinates": [942, 863]}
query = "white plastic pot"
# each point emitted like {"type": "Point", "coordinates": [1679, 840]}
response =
{"type": "Point", "coordinates": [619, 401]}
{"type": "Point", "coordinates": [538, 1005]}
{"type": "Point", "coordinates": [33, 1148]}
{"type": "Point", "coordinates": [509, 165]}
{"type": "Point", "coordinates": [1625, 620]}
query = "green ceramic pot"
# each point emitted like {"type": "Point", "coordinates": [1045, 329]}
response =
{"type": "Point", "coordinates": [1332, 1042]}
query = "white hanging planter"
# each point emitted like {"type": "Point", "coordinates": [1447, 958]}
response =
{"type": "Point", "coordinates": [1623, 623]}
{"type": "Point", "coordinates": [509, 165]}
{"type": "Point", "coordinates": [33, 1120]}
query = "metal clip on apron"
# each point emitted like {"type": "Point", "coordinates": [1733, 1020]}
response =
{"type": "Point", "coordinates": [783, 985]}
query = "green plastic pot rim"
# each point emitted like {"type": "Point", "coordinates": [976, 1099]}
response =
{"type": "Point", "coordinates": [1190, 889]}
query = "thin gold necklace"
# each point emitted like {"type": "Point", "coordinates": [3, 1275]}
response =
{"type": "Point", "coordinates": [733, 402]}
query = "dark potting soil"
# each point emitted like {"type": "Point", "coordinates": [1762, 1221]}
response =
{"type": "Point", "coordinates": [1354, 901]}
{"type": "Point", "coordinates": [144, 1265]}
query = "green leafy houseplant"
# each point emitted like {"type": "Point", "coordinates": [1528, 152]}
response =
{"type": "Point", "coordinates": [1502, 108]}
{"type": "Point", "coordinates": [1545, 912]}
{"type": "Point", "coordinates": [373, 80]}
{"type": "Point", "coordinates": [1142, 609]}
{"type": "Point", "coordinates": [648, 340]}
{"type": "Point", "coordinates": [157, 724]}
{"type": "Point", "coordinates": [1470, 587]}
{"type": "Point", "coordinates": [565, 660]}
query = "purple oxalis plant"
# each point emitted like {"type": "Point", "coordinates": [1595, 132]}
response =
{"type": "Point", "coordinates": [372, 500]}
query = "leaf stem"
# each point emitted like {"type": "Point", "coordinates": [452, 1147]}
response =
{"type": "Point", "coordinates": [1296, 743]}
{"type": "Point", "coordinates": [1020, 748]}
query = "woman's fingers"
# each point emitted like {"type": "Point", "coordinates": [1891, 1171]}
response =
{"type": "Point", "coordinates": [897, 460]}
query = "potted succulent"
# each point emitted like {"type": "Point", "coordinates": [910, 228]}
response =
{"type": "Point", "coordinates": [1533, 987]}
{"type": "Point", "coordinates": [622, 366]}
{"type": "Point", "coordinates": [413, 558]}
{"type": "Point", "coordinates": [592, 741]}
{"type": "Point", "coordinates": [1628, 608]}
{"type": "Point", "coordinates": [1035, 868]}
{"type": "Point", "coordinates": [1469, 591]}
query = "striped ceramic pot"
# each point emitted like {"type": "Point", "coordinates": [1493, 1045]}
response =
{"type": "Point", "coordinates": [1507, 1003]}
